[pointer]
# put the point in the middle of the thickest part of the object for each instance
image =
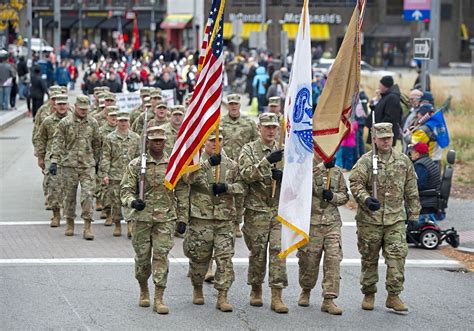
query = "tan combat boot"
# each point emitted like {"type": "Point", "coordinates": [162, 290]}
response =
{"type": "Point", "coordinates": [368, 302]}
{"type": "Point", "coordinates": [222, 303]}
{"type": "Point", "coordinates": [256, 296]}
{"type": "Point", "coordinates": [277, 304]}
{"type": "Point", "coordinates": [56, 218]}
{"type": "Point", "coordinates": [108, 218]}
{"type": "Point", "coordinates": [144, 295]}
{"type": "Point", "coordinates": [103, 214]}
{"type": "Point", "coordinates": [198, 296]}
{"type": "Point", "coordinates": [129, 230]}
{"type": "Point", "coordinates": [69, 227]}
{"type": "Point", "coordinates": [303, 301]}
{"type": "Point", "coordinates": [396, 304]}
{"type": "Point", "coordinates": [209, 277]}
{"type": "Point", "coordinates": [330, 307]}
{"type": "Point", "coordinates": [87, 234]}
{"type": "Point", "coordinates": [98, 205]}
{"type": "Point", "coordinates": [238, 233]}
{"type": "Point", "coordinates": [118, 229]}
{"type": "Point", "coordinates": [159, 306]}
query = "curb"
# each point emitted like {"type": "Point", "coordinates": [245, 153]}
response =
{"type": "Point", "coordinates": [465, 250]}
{"type": "Point", "coordinates": [12, 117]}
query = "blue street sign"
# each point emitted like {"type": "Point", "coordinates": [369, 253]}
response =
{"type": "Point", "coordinates": [416, 14]}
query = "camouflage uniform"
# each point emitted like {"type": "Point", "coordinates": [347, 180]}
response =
{"type": "Point", "coordinates": [171, 135]}
{"type": "Point", "coordinates": [102, 193]}
{"type": "Point", "coordinates": [211, 228]}
{"type": "Point", "coordinates": [137, 125]}
{"type": "Point", "coordinates": [384, 229]}
{"type": "Point", "coordinates": [144, 93]}
{"type": "Point", "coordinates": [325, 234]}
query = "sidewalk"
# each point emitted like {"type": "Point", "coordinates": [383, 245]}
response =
{"type": "Point", "coordinates": [9, 117]}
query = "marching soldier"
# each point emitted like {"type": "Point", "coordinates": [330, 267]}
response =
{"type": "Point", "coordinates": [237, 131]}
{"type": "Point", "coordinates": [44, 142]}
{"type": "Point", "coordinates": [118, 149]}
{"type": "Point", "coordinates": [155, 98]}
{"type": "Point", "coordinates": [324, 236]}
{"type": "Point", "coordinates": [380, 219]}
{"type": "Point", "coordinates": [172, 127]}
{"type": "Point", "coordinates": [76, 149]}
{"type": "Point", "coordinates": [101, 116]}
{"type": "Point", "coordinates": [137, 111]}
{"type": "Point", "coordinates": [211, 227]}
{"type": "Point", "coordinates": [160, 115]}
{"type": "Point", "coordinates": [45, 110]}
{"type": "Point", "coordinates": [274, 106]}
{"type": "Point", "coordinates": [262, 231]}
{"type": "Point", "coordinates": [154, 218]}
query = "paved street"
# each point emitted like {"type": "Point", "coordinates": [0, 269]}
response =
{"type": "Point", "coordinates": [52, 281]}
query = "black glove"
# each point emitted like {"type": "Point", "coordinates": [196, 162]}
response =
{"type": "Point", "coordinates": [138, 204]}
{"type": "Point", "coordinates": [219, 188]}
{"type": "Point", "coordinates": [215, 159]}
{"type": "Point", "coordinates": [328, 195]}
{"type": "Point", "coordinates": [275, 157]}
{"type": "Point", "coordinates": [53, 169]}
{"type": "Point", "coordinates": [330, 164]}
{"type": "Point", "coordinates": [181, 228]}
{"type": "Point", "coordinates": [372, 203]}
{"type": "Point", "coordinates": [277, 174]}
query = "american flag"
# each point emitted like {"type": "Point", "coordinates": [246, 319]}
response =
{"type": "Point", "coordinates": [204, 110]}
{"type": "Point", "coordinates": [205, 42]}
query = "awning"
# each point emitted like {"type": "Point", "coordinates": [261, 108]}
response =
{"type": "Point", "coordinates": [317, 31]}
{"type": "Point", "coordinates": [247, 28]}
{"type": "Point", "coordinates": [176, 21]}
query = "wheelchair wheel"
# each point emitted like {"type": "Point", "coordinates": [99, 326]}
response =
{"type": "Point", "coordinates": [429, 239]}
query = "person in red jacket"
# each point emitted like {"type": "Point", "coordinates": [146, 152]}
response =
{"type": "Point", "coordinates": [73, 73]}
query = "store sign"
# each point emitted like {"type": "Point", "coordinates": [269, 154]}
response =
{"type": "Point", "coordinates": [323, 18]}
{"type": "Point", "coordinates": [245, 18]}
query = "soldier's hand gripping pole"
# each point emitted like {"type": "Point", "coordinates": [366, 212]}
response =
{"type": "Point", "coordinates": [280, 146]}
{"type": "Point", "coordinates": [375, 158]}
{"type": "Point", "coordinates": [141, 185]}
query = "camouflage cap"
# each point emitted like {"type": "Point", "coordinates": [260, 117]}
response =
{"type": "Point", "coordinates": [64, 89]}
{"type": "Point", "coordinates": [98, 89]}
{"type": "Point", "coordinates": [233, 98]}
{"type": "Point", "coordinates": [383, 130]}
{"type": "Point", "coordinates": [162, 104]}
{"type": "Point", "coordinates": [112, 109]}
{"type": "Point", "coordinates": [123, 115]}
{"type": "Point", "coordinates": [155, 133]}
{"type": "Point", "coordinates": [83, 101]}
{"type": "Point", "coordinates": [55, 89]}
{"type": "Point", "coordinates": [156, 94]}
{"type": "Point", "coordinates": [213, 135]}
{"type": "Point", "coordinates": [61, 99]}
{"type": "Point", "coordinates": [178, 109]}
{"type": "Point", "coordinates": [105, 88]}
{"type": "Point", "coordinates": [145, 91]}
{"type": "Point", "coordinates": [54, 94]}
{"type": "Point", "coordinates": [267, 119]}
{"type": "Point", "coordinates": [274, 101]}
{"type": "Point", "coordinates": [101, 95]}
{"type": "Point", "coordinates": [110, 96]}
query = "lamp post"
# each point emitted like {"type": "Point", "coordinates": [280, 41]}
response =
{"type": "Point", "coordinates": [80, 35]}
{"type": "Point", "coordinates": [153, 25]}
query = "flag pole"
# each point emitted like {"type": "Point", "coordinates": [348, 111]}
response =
{"type": "Point", "coordinates": [217, 151]}
{"type": "Point", "coordinates": [280, 146]}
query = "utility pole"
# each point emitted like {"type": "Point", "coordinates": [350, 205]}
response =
{"type": "Point", "coordinates": [29, 17]}
{"type": "Point", "coordinates": [153, 26]}
{"type": "Point", "coordinates": [435, 22]}
{"type": "Point", "coordinates": [80, 35]}
{"type": "Point", "coordinates": [57, 29]}
{"type": "Point", "coordinates": [263, 34]}
{"type": "Point", "coordinates": [195, 44]}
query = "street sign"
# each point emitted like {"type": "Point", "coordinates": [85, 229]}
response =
{"type": "Point", "coordinates": [416, 10]}
{"type": "Point", "coordinates": [237, 26]}
{"type": "Point", "coordinates": [422, 48]}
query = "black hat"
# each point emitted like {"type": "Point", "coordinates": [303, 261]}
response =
{"type": "Point", "coordinates": [387, 81]}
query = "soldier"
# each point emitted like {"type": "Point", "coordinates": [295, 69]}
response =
{"type": "Point", "coordinates": [155, 98]}
{"type": "Point", "coordinates": [237, 130]}
{"type": "Point", "coordinates": [44, 142]}
{"type": "Point", "coordinates": [262, 231]}
{"type": "Point", "coordinates": [118, 149]}
{"type": "Point", "coordinates": [274, 106]}
{"type": "Point", "coordinates": [99, 92]}
{"type": "Point", "coordinates": [211, 228]}
{"type": "Point", "coordinates": [172, 127]}
{"type": "Point", "coordinates": [76, 149]}
{"type": "Point", "coordinates": [380, 219]}
{"type": "Point", "coordinates": [154, 218]}
{"type": "Point", "coordinates": [137, 111]}
{"type": "Point", "coordinates": [45, 110]}
{"type": "Point", "coordinates": [160, 115]}
{"type": "Point", "coordinates": [109, 100]}
{"type": "Point", "coordinates": [324, 236]}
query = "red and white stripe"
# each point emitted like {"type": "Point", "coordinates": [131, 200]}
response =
{"type": "Point", "coordinates": [204, 45]}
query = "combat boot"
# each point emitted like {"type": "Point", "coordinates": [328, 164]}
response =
{"type": "Point", "coordinates": [56, 218]}
{"type": "Point", "coordinates": [256, 296]}
{"type": "Point", "coordinates": [103, 214]}
{"type": "Point", "coordinates": [277, 304]}
{"type": "Point", "coordinates": [303, 301]}
{"type": "Point", "coordinates": [108, 218]}
{"type": "Point", "coordinates": [69, 227]}
{"type": "Point", "coordinates": [198, 296]}
{"type": "Point", "coordinates": [396, 304]}
{"type": "Point", "coordinates": [129, 230]}
{"type": "Point", "coordinates": [330, 307]}
{"type": "Point", "coordinates": [209, 277]}
{"type": "Point", "coordinates": [118, 229]}
{"type": "Point", "coordinates": [98, 205]}
{"type": "Point", "coordinates": [87, 234]}
{"type": "Point", "coordinates": [159, 306]}
{"type": "Point", "coordinates": [368, 302]}
{"type": "Point", "coordinates": [238, 233]}
{"type": "Point", "coordinates": [222, 303]}
{"type": "Point", "coordinates": [144, 295]}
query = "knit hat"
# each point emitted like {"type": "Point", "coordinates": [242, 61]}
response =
{"type": "Point", "coordinates": [387, 81]}
{"type": "Point", "coordinates": [425, 108]}
{"type": "Point", "coordinates": [421, 148]}
{"type": "Point", "coordinates": [428, 97]}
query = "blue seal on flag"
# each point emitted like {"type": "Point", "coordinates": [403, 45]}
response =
{"type": "Point", "coordinates": [303, 129]}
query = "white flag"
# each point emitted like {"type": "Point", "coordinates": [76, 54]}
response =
{"type": "Point", "coordinates": [294, 210]}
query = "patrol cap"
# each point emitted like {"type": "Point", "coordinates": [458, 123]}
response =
{"type": "Point", "coordinates": [101, 95]}
{"type": "Point", "coordinates": [383, 130]}
{"type": "Point", "coordinates": [425, 108]}
{"type": "Point", "coordinates": [178, 109]}
{"type": "Point", "coordinates": [155, 133]}
{"type": "Point", "coordinates": [54, 94]}
{"type": "Point", "coordinates": [55, 89]}
{"type": "Point", "coordinates": [105, 88]}
{"type": "Point", "coordinates": [212, 136]}
{"type": "Point", "coordinates": [63, 89]}
{"type": "Point", "coordinates": [233, 98]}
{"type": "Point", "coordinates": [83, 101]}
{"type": "Point", "coordinates": [274, 101]}
{"type": "Point", "coordinates": [155, 93]}
{"type": "Point", "coordinates": [61, 99]}
{"type": "Point", "coordinates": [123, 115]}
{"type": "Point", "coordinates": [98, 89]}
{"type": "Point", "coordinates": [267, 119]}
{"type": "Point", "coordinates": [110, 96]}
{"type": "Point", "coordinates": [162, 104]}
{"type": "Point", "coordinates": [145, 91]}
{"type": "Point", "coordinates": [112, 110]}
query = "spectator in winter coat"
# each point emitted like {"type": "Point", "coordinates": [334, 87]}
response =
{"type": "Point", "coordinates": [259, 84]}
{"type": "Point", "coordinates": [38, 89]}
{"type": "Point", "coordinates": [62, 76]}
{"type": "Point", "coordinates": [113, 84]}
{"type": "Point", "coordinates": [22, 70]}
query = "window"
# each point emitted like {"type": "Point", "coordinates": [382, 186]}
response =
{"type": "Point", "coordinates": [394, 7]}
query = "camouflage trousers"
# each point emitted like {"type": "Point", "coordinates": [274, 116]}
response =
{"type": "Point", "coordinates": [327, 239]}
{"type": "Point", "coordinates": [262, 232]}
{"type": "Point", "coordinates": [239, 208]}
{"type": "Point", "coordinates": [203, 237]}
{"type": "Point", "coordinates": [54, 190]}
{"type": "Point", "coordinates": [111, 199]}
{"type": "Point", "coordinates": [152, 242]}
{"type": "Point", "coordinates": [392, 240]}
{"type": "Point", "coordinates": [72, 177]}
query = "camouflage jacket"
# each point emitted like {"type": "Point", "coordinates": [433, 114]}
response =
{"type": "Point", "coordinates": [117, 152]}
{"type": "Point", "coordinates": [44, 136]}
{"type": "Point", "coordinates": [43, 112]}
{"type": "Point", "coordinates": [137, 125]}
{"type": "Point", "coordinates": [137, 111]}
{"type": "Point", "coordinates": [100, 118]}
{"type": "Point", "coordinates": [236, 134]}
{"type": "Point", "coordinates": [162, 204]}
{"type": "Point", "coordinates": [255, 171]}
{"type": "Point", "coordinates": [76, 142]}
{"type": "Point", "coordinates": [203, 203]}
{"type": "Point", "coordinates": [105, 130]}
{"type": "Point", "coordinates": [323, 212]}
{"type": "Point", "coordinates": [396, 189]}
{"type": "Point", "coordinates": [171, 136]}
